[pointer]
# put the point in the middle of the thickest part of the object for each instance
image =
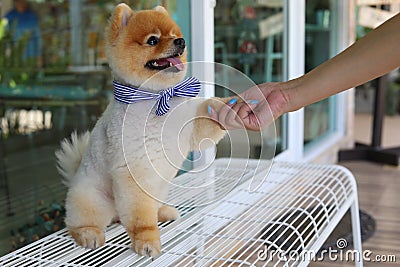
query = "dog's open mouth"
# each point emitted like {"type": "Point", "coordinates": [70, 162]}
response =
{"type": "Point", "coordinates": [164, 63]}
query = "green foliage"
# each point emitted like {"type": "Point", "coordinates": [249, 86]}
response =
{"type": "Point", "coordinates": [14, 68]}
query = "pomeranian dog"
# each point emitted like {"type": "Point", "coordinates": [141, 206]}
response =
{"type": "Point", "coordinates": [122, 168]}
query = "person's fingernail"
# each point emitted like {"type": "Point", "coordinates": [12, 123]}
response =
{"type": "Point", "coordinates": [253, 102]}
{"type": "Point", "coordinates": [209, 109]}
{"type": "Point", "coordinates": [232, 101]}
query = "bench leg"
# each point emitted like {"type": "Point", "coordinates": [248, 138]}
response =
{"type": "Point", "coordinates": [356, 228]}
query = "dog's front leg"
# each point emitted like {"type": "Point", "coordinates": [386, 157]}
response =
{"type": "Point", "coordinates": [204, 126]}
{"type": "Point", "coordinates": [89, 211]}
{"type": "Point", "coordinates": [138, 212]}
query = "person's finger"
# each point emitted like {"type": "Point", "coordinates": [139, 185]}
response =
{"type": "Point", "coordinates": [227, 116]}
{"type": "Point", "coordinates": [238, 120]}
{"type": "Point", "coordinates": [222, 116]}
{"type": "Point", "coordinates": [236, 115]}
{"type": "Point", "coordinates": [256, 117]}
{"type": "Point", "coordinates": [219, 116]}
{"type": "Point", "coordinates": [212, 113]}
{"type": "Point", "coordinates": [232, 102]}
{"type": "Point", "coordinates": [248, 116]}
{"type": "Point", "coordinates": [232, 119]}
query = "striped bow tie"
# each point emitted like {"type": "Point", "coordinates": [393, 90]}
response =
{"type": "Point", "coordinates": [126, 94]}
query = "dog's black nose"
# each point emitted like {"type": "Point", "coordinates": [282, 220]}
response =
{"type": "Point", "coordinates": [180, 42]}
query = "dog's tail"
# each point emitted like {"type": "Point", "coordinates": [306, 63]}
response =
{"type": "Point", "coordinates": [69, 157]}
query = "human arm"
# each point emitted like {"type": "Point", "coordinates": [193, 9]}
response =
{"type": "Point", "coordinates": [370, 57]}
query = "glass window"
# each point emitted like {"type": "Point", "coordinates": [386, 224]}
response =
{"type": "Point", "coordinates": [54, 80]}
{"type": "Point", "coordinates": [319, 118]}
{"type": "Point", "coordinates": [249, 36]}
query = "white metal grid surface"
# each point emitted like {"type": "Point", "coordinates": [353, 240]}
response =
{"type": "Point", "coordinates": [295, 209]}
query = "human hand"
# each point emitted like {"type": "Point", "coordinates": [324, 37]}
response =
{"type": "Point", "coordinates": [254, 109]}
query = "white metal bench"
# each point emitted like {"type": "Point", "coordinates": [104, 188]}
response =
{"type": "Point", "coordinates": [295, 209]}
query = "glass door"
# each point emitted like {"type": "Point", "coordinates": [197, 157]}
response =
{"type": "Point", "coordinates": [250, 37]}
{"type": "Point", "coordinates": [281, 40]}
{"type": "Point", "coordinates": [320, 44]}
{"type": "Point", "coordinates": [69, 69]}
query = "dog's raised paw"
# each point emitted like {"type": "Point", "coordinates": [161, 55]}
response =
{"type": "Point", "coordinates": [167, 213]}
{"type": "Point", "coordinates": [88, 237]}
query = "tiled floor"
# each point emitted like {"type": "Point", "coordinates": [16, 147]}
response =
{"type": "Point", "coordinates": [390, 131]}
{"type": "Point", "coordinates": [379, 194]}
{"type": "Point", "coordinates": [378, 190]}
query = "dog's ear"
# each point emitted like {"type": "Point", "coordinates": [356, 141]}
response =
{"type": "Point", "coordinates": [120, 18]}
{"type": "Point", "coordinates": [160, 9]}
{"type": "Point", "coordinates": [122, 14]}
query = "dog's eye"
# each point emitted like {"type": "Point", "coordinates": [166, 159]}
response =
{"type": "Point", "coordinates": [153, 40]}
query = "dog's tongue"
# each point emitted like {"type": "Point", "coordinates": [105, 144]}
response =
{"type": "Point", "coordinates": [176, 63]}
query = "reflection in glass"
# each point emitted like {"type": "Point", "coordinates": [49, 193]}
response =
{"type": "Point", "coordinates": [45, 96]}
{"type": "Point", "coordinates": [249, 36]}
{"type": "Point", "coordinates": [320, 46]}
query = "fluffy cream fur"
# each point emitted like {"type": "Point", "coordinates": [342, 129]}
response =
{"type": "Point", "coordinates": [122, 170]}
